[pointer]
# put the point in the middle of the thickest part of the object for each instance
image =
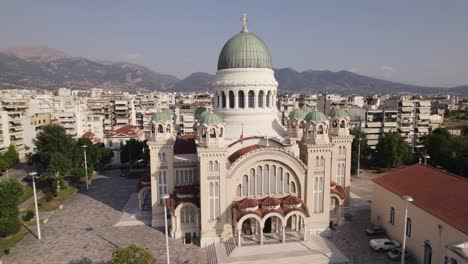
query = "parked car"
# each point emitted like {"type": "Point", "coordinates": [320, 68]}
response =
{"type": "Point", "coordinates": [375, 231]}
{"type": "Point", "coordinates": [395, 254]}
{"type": "Point", "coordinates": [383, 244]}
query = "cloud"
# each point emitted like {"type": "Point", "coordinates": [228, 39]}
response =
{"type": "Point", "coordinates": [387, 71]}
{"type": "Point", "coordinates": [133, 56]}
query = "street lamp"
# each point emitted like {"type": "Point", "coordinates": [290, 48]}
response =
{"type": "Point", "coordinates": [86, 165]}
{"type": "Point", "coordinates": [359, 157]}
{"type": "Point", "coordinates": [33, 175]}
{"type": "Point", "coordinates": [426, 157]}
{"type": "Point", "coordinates": [165, 197]}
{"type": "Point", "coordinates": [405, 223]}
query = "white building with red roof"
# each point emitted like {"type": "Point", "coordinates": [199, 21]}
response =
{"type": "Point", "coordinates": [437, 221]}
{"type": "Point", "coordinates": [116, 139]}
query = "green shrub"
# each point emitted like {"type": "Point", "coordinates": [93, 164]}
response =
{"type": "Point", "coordinates": [9, 226]}
{"type": "Point", "coordinates": [132, 255]}
{"type": "Point", "coordinates": [49, 196]}
{"type": "Point", "coordinates": [28, 215]}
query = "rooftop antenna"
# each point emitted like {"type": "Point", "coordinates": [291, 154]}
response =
{"type": "Point", "coordinates": [244, 20]}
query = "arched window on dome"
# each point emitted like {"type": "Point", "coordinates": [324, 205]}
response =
{"type": "Point", "coordinates": [251, 99]}
{"type": "Point", "coordinates": [260, 99]}
{"type": "Point", "coordinates": [231, 99]}
{"type": "Point", "coordinates": [286, 183]}
{"type": "Point", "coordinates": [238, 191]}
{"type": "Point", "coordinates": [160, 129]}
{"type": "Point", "coordinates": [342, 124]}
{"type": "Point", "coordinates": [210, 166]}
{"type": "Point", "coordinates": [335, 124]}
{"type": "Point", "coordinates": [273, 180]}
{"type": "Point", "coordinates": [168, 129]}
{"type": "Point", "coordinates": [320, 130]}
{"type": "Point", "coordinates": [241, 99]}
{"type": "Point", "coordinates": [268, 99]}
{"type": "Point", "coordinates": [301, 124]}
{"type": "Point", "coordinates": [212, 133]}
{"type": "Point", "coordinates": [223, 99]}
{"type": "Point", "coordinates": [220, 132]}
{"type": "Point", "coordinates": [280, 178]}
{"type": "Point", "coordinates": [203, 132]}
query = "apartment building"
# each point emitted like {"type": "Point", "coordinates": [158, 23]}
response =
{"type": "Point", "coordinates": [285, 104]}
{"type": "Point", "coordinates": [4, 131]}
{"type": "Point", "coordinates": [15, 108]}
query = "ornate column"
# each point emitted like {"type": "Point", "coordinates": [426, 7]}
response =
{"type": "Point", "coordinates": [261, 236]}
{"type": "Point", "coordinates": [264, 100]}
{"type": "Point", "coordinates": [284, 234]}
{"type": "Point", "coordinates": [246, 99]}
{"type": "Point", "coordinates": [255, 99]}
{"type": "Point", "coordinates": [239, 237]}
{"type": "Point", "coordinates": [236, 100]}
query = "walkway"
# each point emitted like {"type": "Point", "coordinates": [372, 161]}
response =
{"type": "Point", "coordinates": [313, 251]}
{"type": "Point", "coordinates": [84, 232]}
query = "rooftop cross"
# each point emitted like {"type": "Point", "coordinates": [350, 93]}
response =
{"type": "Point", "coordinates": [244, 20]}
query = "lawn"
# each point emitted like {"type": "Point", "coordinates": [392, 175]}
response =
{"type": "Point", "coordinates": [27, 193]}
{"type": "Point", "coordinates": [11, 241]}
{"type": "Point", "coordinates": [63, 195]}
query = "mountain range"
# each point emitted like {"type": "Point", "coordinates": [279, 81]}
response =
{"type": "Point", "coordinates": [45, 68]}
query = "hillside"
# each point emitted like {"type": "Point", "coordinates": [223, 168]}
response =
{"type": "Point", "coordinates": [46, 68]}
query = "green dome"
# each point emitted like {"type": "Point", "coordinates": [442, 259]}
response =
{"type": "Point", "coordinates": [168, 111]}
{"type": "Point", "coordinates": [199, 110]}
{"type": "Point", "coordinates": [210, 118]}
{"type": "Point", "coordinates": [244, 50]}
{"type": "Point", "coordinates": [161, 116]}
{"type": "Point", "coordinates": [315, 116]}
{"type": "Point", "coordinates": [300, 113]}
{"type": "Point", "coordinates": [337, 112]}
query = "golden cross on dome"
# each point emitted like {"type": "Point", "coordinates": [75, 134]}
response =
{"type": "Point", "coordinates": [244, 20]}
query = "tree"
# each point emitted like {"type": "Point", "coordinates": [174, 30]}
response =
{"type": "Point", "coordinates": [10, 191]}
{"type": "Point", "coordinates": [393, 151]}
{"type": "Point", "coordinates": [104, 155]}
{"type": "Point", "coordinates": [132, 255]}
{"type": "Point", "coordinates": [59, 164]}
{"type": "Point", "coordinates": [91, 150]}
{"type": "Point", "coordinates": [358, 133]}
{"type": "Point", "coordinates": [11, 156]}
{"type": "Point", "coordinates": [450, 152]}
{"type": "Point", "coordinates": [54, 139]}
{"type": "Point", "coordinates": [132, 151]}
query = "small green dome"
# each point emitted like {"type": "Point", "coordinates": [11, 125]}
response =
{"type": "Point", "coordinates": [337, 112]}
{"type": "Point", "coordinates": [210, 118]}
{"type": "Point", "coordinates": [199, 110]}
{"type": "Point", "coordinates": [315, 116]}
{"type": "Point", "coordinates": [244, 50]}
{"type": "Point", "coordinates": [300, 113]}
{"type": "Point", "coordinates": [160, 116]}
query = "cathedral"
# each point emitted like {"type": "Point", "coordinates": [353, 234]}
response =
{"type": "Point", "coordinates": [242, 175]}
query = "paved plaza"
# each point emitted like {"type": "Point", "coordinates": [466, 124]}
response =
{"type": "Point", "coordinates": [84, 232]}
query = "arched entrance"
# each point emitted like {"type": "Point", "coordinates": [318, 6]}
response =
{"type": "Point", "coordinates": [427, 253]}
{"type": "Point", "coordinates": [295, 226]}
{"type": "Point", "coordinates": [249, 230]}
{"type": "Point", "coordinates": [273, 228]}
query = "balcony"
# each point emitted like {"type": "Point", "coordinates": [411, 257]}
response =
{"type": "Point", "coordinates": [121, 121]}
{"type": "Point", "coordinates": [374, 124]}
{"type": "Point", "coordinates": [372, 137]}
{"type": "Point", "coordinates": [390, 124]}
{"type": "Point", "coordinates": [372, 130]}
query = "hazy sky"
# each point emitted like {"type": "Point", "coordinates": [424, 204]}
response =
{"type": "Point", "coordinates": [418, 41]}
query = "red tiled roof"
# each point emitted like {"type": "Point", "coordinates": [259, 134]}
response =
{"type": "Point", "coordinates": [248, 203]}
{"type": "Point", "coordinates": [127, 131]}
{"type": "Point", "coordinates": [234, 156]}
{"type": "Point", "coordinates": [337, 189]}
{"type": "Point", "coordinates": [292, 200]}
{"type": "Point", "coordinates": [441, 194]}
{"type": "Point", "coordinates": [270, 201]}
{"type": "Point", "coordinates": [185, 145]}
